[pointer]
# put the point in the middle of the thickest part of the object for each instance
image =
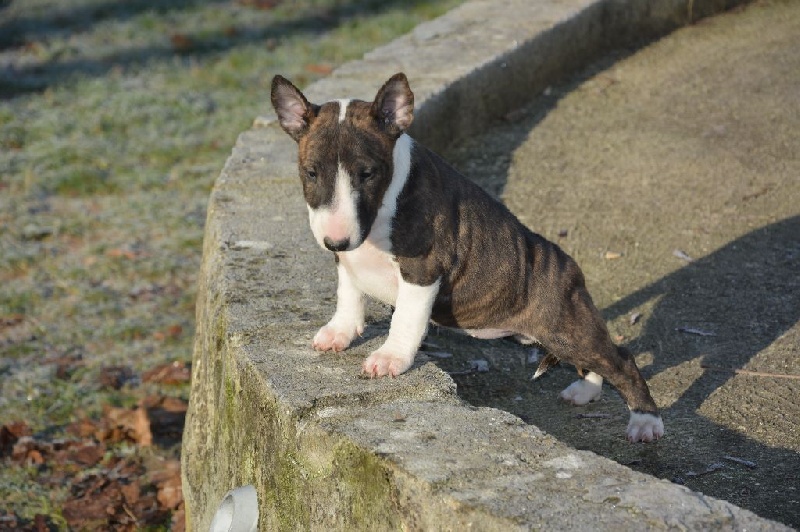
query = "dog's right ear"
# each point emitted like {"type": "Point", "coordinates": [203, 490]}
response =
{"type": "Point", "coordinates": [295, 113]}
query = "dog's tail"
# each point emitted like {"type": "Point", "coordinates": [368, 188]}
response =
{"type": "Point", "coordinates": [547, 362]}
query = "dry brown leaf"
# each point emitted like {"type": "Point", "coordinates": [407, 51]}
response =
{"type": "Point", "coordinates": [115, 377]}
{"type": "Point", "coordinates": [170, 494]}
{"type": "Point", "coordinates": [10, 433]}
{"type": "Point", "coordinates": [88, 453]}
{"type": "Point", "coordinates": [181, 42]}
{"type": "Point", "coordinates": [125, 423]}
{"type": "Point", "coordinates": [167, 417]}
{"type": "Point", "coordinates": [319, 68]}
{"type": "Point", "coordinates": [179, 519]}
{"type": "Point", "coordinates": [130, 493]}
{"type": "Point", "coordinates": [173, 331]}
{"type": "Point", "coordinates": [83, 428]}
{"type": "Point", "coordinates": [173, 373]}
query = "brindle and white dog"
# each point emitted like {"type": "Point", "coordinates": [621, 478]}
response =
{"type": "Point", "coordinates": [409, 230]}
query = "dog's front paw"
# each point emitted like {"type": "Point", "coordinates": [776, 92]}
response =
{"type": "Point", "coordinates": [644, 427]}
{"type": "Point", "coordinates": [384, 362]}
{"type": "Point", "coordinates": [333, 338]}
{"type": "Point", "coordinates": [583, 391]}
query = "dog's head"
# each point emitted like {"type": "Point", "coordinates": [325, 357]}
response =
{"type": "Point", "coordinates": [345, 155]}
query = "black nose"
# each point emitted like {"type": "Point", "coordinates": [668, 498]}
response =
{"type": "Point", "coordinates": [341, 245]}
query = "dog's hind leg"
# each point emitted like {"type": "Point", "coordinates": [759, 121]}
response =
{"type": "Point", "coordinates": [582, 339]}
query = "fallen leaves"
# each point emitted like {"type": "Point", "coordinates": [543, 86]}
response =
{"type": "Point", "coordinates": [10, 434]}
{"type": "Point", "coordinates": [181, 42]}
{"type": "Point", "coordinates": [319, 68]}
{"type": "Point", "coordinates": [115, 498]}
{"type": "Point", "coordinates": [108, 487]}
{"type": "Point", "coordinates": [172, 332]}
{"type": "Point", "coordinates": [173, 373]}
{"type": "Point", "coordinates": [124, 424]}
{"type": "Point", "coordinates": [130, 252]}
{"type": "Point", "coordinates": [115, 377]}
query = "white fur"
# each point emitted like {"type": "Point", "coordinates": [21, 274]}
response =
{"type": "Point", "coordinates": [372, 266]}
{"type": "Point", "coordinates": [343, 103]}
{"type": "Point", "coordinates": [409, 323]}
{"type": "Point", "coordinates": [644, 427]}
{"type": "Point", "coordinates": [585, 390]}
{"type": "Point", "coordinates": [339, 220]}
{"type": "Point", "coordinates": [371, 269]}
{"type": "Point", "coordinates": [381, 231]}
{"type": "Point", "coordinates": [347, 321]}
{"type": "Point", "coordinates": [488, 334]}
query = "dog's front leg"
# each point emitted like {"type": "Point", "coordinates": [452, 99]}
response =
{"type": "Point", "coordinates": [347, 321]}
{"type": "Point", "coordinates": [409, 323]}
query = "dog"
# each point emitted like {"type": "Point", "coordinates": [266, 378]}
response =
{"type": "Point", "coordinates": [407, 229]}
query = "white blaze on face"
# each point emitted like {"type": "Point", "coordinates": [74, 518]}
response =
{"type": "Point", "coordinates": [339, 220]}
{"type": "Point", "coordinates": [343, 109]}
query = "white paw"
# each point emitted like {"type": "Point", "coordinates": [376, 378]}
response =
{"type": "Point", "coordinates": [333, 338]}
{"type": "Point", "coordinates": [384, 362]}
{"type": "Point", "coordinates": [583, 391]}
{"type": "Point", "coordinates": [644, 427]}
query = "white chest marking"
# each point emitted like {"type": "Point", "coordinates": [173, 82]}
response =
{"type": "Point", "coordinates": [372, 266]}
{"type": "Point", "coordinates": [373, 271]}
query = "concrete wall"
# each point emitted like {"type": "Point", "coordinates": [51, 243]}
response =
{"type": "Point", "coordinates": [328, 449]}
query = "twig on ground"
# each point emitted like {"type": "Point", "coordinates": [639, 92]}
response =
{"type": "Point", "coordinates": [747, 463]}
{"type": "Point", "coordinates": [710, 469]}
{"type": "Point", "coordinates": [698, 332]}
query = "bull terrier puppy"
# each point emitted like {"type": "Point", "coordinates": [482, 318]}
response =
{"type": "Point", "coordinates": [407, 229]}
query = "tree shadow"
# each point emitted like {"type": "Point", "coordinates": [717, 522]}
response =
{"type": "Point", "coordinates": [747, 294]}
{"type": "Point", "coordinates": [19, 30]}
{"type": "Point", "coordinates": [729, 306]}
{"type": "Point", "coordinates": [199, 44]}
{"type": "Point", "coordinates": [711, 317]}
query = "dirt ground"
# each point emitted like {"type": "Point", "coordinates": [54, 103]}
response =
{"type": "Point", "coordinates": [672, 175]}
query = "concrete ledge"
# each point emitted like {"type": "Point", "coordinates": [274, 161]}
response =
{"type": "Point", "coordinates": [327, 449]}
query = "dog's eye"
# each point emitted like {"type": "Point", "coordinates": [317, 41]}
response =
{"type": "Point", "coordinates": [311, 175]}
{"type": "Point", "coordinates": [366, 174]}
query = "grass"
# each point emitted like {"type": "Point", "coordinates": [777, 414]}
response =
{"type": "Point", "coordinates": [115, 119]}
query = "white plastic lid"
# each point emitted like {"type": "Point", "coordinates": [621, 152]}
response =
{"type": "Point", "coordinates": [238, 511]}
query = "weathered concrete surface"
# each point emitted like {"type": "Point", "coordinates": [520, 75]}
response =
{"type": "Point", "coordinates": [328, 449]}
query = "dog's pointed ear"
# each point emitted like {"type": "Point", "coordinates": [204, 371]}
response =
{"type": "Point", "coordinates": [393, 107]}
{"type": "Point", "coordinates": [295, 113]}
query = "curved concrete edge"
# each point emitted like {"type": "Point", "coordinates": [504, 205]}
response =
{"type": "Point", "coordinates": [325, 448]}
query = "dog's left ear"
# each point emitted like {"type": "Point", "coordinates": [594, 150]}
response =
{"type": "Point", "coordinates": [393, 107]}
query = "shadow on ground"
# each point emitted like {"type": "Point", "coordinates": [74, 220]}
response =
{"type": "Point", "coordinates": [749, 292]}
{"type": "Point", "coordinates": [686, 157]}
